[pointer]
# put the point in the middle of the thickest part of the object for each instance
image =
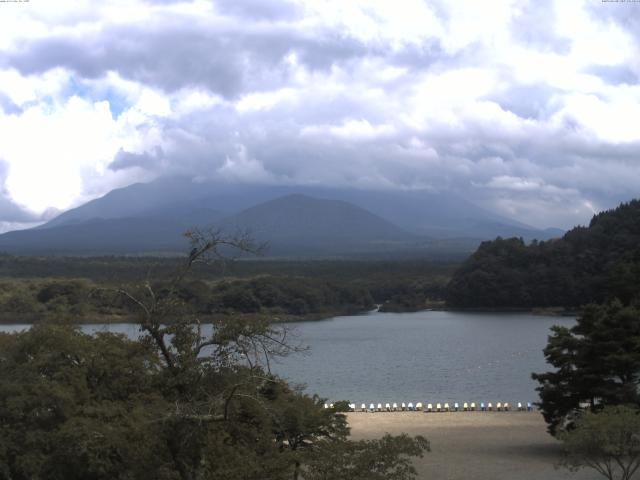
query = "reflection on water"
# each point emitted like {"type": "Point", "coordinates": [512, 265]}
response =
{"type": "Point", "coordinates": [423, 356]}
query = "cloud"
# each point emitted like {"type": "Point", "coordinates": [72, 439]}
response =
{"type": "Point", "coordinates": [527, 108]}
{"type": "Point", "coordinates": [146, 160]}
{"type": "Point", "coordinates": [8, 106]}
{"type": "Point", "coordinates": [530, 26]}
{"type": "Point", "coordinates": [259, 9]}
{"type": "Point", "coordinates": [180, 51]}
{"type": "Point", "coordinates": [615, 75]}
{"type": "Point", "coordinates": [12, 216]}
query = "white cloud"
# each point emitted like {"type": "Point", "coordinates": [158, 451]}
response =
{"type": "Point", "coordinates": [264, 100]}
{"type": "Point", "coordinates": [241, 167]}
{"type": "Point", "coordinates": [527, 107]}
{"type": "Point", "coordinates": [396, 23]}
{"type": "Point", "coordinates": [49, 146]}
{"type": "Point", "coordinates": [351, 130]}
{"type": "Point", "coordinates": [610, 121]}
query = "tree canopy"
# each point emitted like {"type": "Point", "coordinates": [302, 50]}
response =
{"type": "Point", "coordinates": [174, 404]}
{"type": "Point", "coordinates": [589, 264]}
{"type": "Point", "coordinates": [597, 362]}
{"type": "Point", "coordinates": [607, 442]}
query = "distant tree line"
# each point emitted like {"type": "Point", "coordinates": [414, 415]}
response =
{"type": "Point", "coordinates": [286, 290]}
{"type": "Point", "coordinates": [588, 265]}
{"type": "Point", "coordinates": [284, 298]}
{"type": "Point", "coordinates": [278, 295]}
{"type": "Point", "coordinates": [83, 300]}
{"type": "Point", "coordinates": [118, 269]}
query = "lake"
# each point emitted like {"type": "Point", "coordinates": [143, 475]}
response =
{"type": "Point", "coordinates": [428, 356]}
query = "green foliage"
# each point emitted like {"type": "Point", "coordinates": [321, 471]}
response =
{"type": "Point", "coordinates": [74, 406]}
{"type": "Point", "coordinates": [290, 295]}
{"type": "Point", "coordinates": [77, 407]}
{"type": "Point", "coordinates": [174, 405]}
{"type": "Point", "coordinates": [591, 264]}
{"type": "Point", "coordinates": [71, 291]}
{"type": "Point", "coordinates": [81, 289]}
{"type": "Point", "coordinates": [596, 361]}
{"type": "Point", "coordinates": [385, 459]}
{"type": "Point", "coordinates": [607, 441]}
{"type": "Point", "coordinates": [325, 290]}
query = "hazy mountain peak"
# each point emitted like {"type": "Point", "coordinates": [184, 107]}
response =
{"type": "Point", "coordinates": [301, 219]}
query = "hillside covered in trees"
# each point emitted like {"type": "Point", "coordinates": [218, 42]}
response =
{"type": "Point", "coordinates": [588, 264]}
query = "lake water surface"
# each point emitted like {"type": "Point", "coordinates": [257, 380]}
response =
{"type": "Point", "coordinates": [428, 356]}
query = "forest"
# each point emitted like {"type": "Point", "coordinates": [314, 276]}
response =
{"type": "Point", "coordinates": [590, 264]}
{"type": "Point", "coordinates": [78, 289]}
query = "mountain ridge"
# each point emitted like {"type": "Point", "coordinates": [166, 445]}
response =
{"type": "Point", "coordinates": [407, 221]}
{"type": "Point", "coordinates": [296, 224]}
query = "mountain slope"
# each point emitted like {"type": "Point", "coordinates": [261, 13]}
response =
{"type": "Point", "coordinates": [99, 236]}
{"type": "Point", "coordinates": [438, 215]}
{"type": "Point", "coordinates": [145, 234]}
{"type": "Point", "coordinates": [588, 264]}
{"type": "Point", "coordinates": [301, 223]}
{"type": "Point", "coordinates": [292, 225]}
{"type": "Point", "coordinates": [139, 199]}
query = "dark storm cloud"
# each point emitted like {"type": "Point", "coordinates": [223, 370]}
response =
{"type": "Point", "coordinates": [166, 59]}
{"type": "Point", "coordinates": [275, 146]}
{"type": "Point", "coordinates": [147, 160]}
{"type": "Point", "coordinates": [184, 53]}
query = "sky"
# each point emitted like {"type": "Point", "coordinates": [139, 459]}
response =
{"type": "Point", "coordinates": [528, 108]}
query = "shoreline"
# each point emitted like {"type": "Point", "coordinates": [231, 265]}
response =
{"type": "Point", "coordinates": [474, 445]}
{"type": "Point", "coordinates": [31, 319]}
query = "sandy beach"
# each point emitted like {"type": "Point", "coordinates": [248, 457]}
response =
{"type": "Point", "coordinates": [474, 445]}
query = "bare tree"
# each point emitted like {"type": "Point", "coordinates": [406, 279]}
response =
{"type": "Point", "coordinates": [183, 346]}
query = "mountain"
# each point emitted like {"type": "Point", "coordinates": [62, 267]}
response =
{"type": "Point", "coordinates": [588, 264]}
{"type": "Point", "coordinates": [301, 224]}
{"type": "Point", "coordinates": [295, 220]}
{"type": "Point", "coordinates": [291, 225]}
{"type": "Point", "coordinates": [98, 236]}
{"type": "Point", "coordinates": [137, 200]}
{"type": "Point", "coordinates": [423, 212]}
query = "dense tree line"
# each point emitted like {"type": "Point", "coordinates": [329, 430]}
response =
{"type": "Point", "coordinates": [83, 300]}
{"type": "Point", "coordinates": [289, 295]}
{"type": "Point", "coordinates": [589, 264]}
{"type": "Point", "coordinates": [408, 295]}
{"type": "Point", "coordinates": [287, 290]}
{"type": "Point", "coordinates": [119, 269]}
